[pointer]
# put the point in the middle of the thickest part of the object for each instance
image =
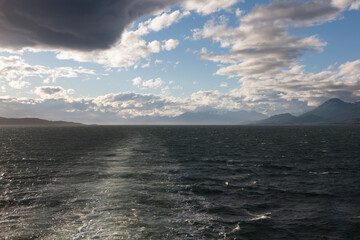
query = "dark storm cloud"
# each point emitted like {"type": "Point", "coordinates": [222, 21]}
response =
{"type": "Point", "coordinates": [51, 90]}
{"type": "Point", "coordinates": [75, 24]}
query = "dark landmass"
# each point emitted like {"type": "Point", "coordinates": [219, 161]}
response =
{"type": "Point", "coordinates": [216, 117]}
{"type": "Point", "coordinates": [333, 111]}
{"type": "Point", "coordinates": [34, 122]}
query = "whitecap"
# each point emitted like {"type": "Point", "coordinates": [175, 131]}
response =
{"type": "Point", "coordinates": [237, 229]}
{"type": "Point", "coordinates": [261, 216]}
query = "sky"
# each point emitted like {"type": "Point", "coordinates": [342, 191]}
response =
{"type": "Point", "coordinates": [110, 61]}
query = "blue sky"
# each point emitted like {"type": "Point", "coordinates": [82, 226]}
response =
{"type": "Point", "coordinates": [175, 57]}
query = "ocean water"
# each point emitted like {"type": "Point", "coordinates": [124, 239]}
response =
{"type": "Point", "coordinates": [180, 182]}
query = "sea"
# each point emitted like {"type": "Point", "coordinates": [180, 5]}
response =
{"type": "Point", "coordinates": [180, 182]}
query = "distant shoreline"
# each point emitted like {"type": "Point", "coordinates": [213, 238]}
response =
{"type": "Point", "coordinates": [34, 122]}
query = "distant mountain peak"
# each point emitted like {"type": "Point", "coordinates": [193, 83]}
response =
{"type": "Point", "coordinates": [332, 109]}
{"type": "Point", "coordinates": [333, 101]}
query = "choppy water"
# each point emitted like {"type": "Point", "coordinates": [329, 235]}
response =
{"type": "Point", "coordinates": [180, 183]}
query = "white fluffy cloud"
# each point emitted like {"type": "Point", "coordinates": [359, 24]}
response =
{"type": "Point", "coordinates": [343, 4]}
{"type": "Point", "coordinates": [151, 83]}
{"type": "Point", "coordinates": [137, 81]}
{"type": "Point", "coordinates": [15, 71]}
{"type": "Point", "coordinates": [206, 7]}
{"type": "Point", "coordinates": [18, 84]}
{"type": "Point", "coordinates": [162, 21]}
{"type": "Point", "coordinates": [355, 5]}
{"type": "Point", "coordinates": [170, 44]}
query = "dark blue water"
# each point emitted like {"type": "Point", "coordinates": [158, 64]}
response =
{"type": "Point", "coordinates": [180, 183]}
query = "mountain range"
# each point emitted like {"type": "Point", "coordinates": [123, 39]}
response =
{"type": "Point", "coordinates": [330, 112]}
